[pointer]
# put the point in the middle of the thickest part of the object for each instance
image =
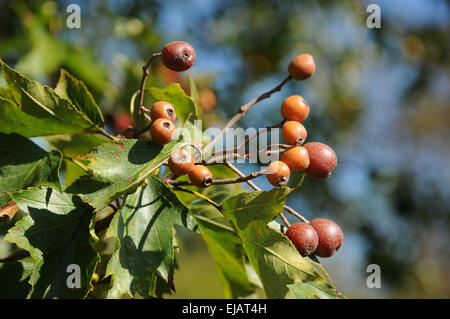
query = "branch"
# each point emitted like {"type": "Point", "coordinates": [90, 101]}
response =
{"type": "Point", "coordinates": [8, 211]}
{"type": "Point", "coordinates": [220, 181]}
{"type": "Point", "coordinates": [244, 108]}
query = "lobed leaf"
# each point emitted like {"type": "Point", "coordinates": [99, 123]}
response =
{"type": "Point", "coordinates": [23, 164]}
{"type": "Point", "coordinates": [173, 93]}
{"type": "Point", "coordinates": [56, 233]}
{"type": "Point", "coordinates": [74, 90]}
{"type": "Point", "coordinates": [36, 110]}
{"type": "Point", "coordinates": [143, 228]}
{"type": "Point", "coordinates": [118, 167]}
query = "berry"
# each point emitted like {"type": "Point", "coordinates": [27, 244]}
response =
{"type": "Point", "coordinates": [178, 56]}
{"type": "Point", "coordinates": [302, 66]}
{"type": "Point", "coordinates": [304, 238]}
{"type": "Point", "coordinates": [294, 133]}
{"type": "Point", "coordinates": [201, 176]}
{"type": "Point", "coordinates": [163, 109]}
{"type": "Point", "coordinates": [181, 162]}
{"type": "Point", "coordinates": [278, 173]}
{"type": "Point", "coordinates": [295, 108]}
{"type": "Point", "coordinates": [207, 99]}
{"type": "Point", "coordinates": [296, 158]}
{"type": "Point", "coordinates": [122, 121]}
{"type": "Point", "coordinates": [162, 130]}
{"type": "Point", "coordinates": [330, 237]}
{"type": "Point", "coordinates": [322, 160]}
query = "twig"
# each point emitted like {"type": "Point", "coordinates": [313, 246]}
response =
{"type": "Point", "coordinates": [237, 148]}
{"type": "Point", "coordinates": [244, 108]}
{"type": "Point", "coordinates": [220, 181]}
{"type": "Point", "coordinates": [255, 187]}
{"type": "Point", "coordinates": [145, 74]}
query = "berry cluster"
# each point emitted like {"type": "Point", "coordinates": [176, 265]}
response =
{"type": "Point", "coordinates": [317, 160]}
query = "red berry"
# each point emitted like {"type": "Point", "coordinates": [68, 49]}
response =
{"type": "Point", "coordinates": [330, 237]}
{"type": "Point", "coordinates": [304, 238]}
{"type": "Point", "coordinates": [302, 66]}
{"type": "Point", "coordinates": [122, 121]}
{"type": "Point", "coordinates": [322, 160]}
{"type": "Point", "coordinates": [178, 56]}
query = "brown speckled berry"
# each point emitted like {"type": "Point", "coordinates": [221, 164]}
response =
{"type": "Point", "coordinates": [304, 238]}
{"type": "Point", "coordinates": [178, 56]}
{"type": "Point", "coordinates": [330, 237]}
{"type": "Point", "coordinates": [322, 160]}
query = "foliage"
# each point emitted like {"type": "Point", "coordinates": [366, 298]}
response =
{"type": "Point", "coordinates": [58, 229]}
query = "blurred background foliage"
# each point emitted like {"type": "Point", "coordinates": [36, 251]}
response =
{"type": "Point", "coordinates": [380, 98]}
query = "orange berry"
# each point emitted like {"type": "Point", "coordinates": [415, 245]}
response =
{"type": "Point", "coordinates": [296, 158]}
{"type": "Point", "coordinates": [302, 66]}
{"type": "Point", "coordinates": [278, 173]}
{"type": "Point", "coordinates": [162, 130]}
{"type": "Point", "coordinates": [207, 99]}
{"type": "Point", "coordinates": [164, 110]}
{"type": "Point", "coordinates": [181, 162]}
{"type": "Point", "coordinates": [201, 176]}
{"type": "Point", "coordinates": [295, 108]}
{"type": "Point", "coordinates": [294, 133]}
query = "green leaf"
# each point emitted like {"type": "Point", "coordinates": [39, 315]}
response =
{"type": "Point", "coordinates": [23, 164]}
{"type": "Point", "coordinates": [174, 94]}
{"type": "Point", "coordinates": [193, 90]}
{"type": "Point", "coordinates": [314, 290]}
{"type": "Point", "coordinates": [57, 233]}
{"type": "Point", "coordinates": [275, 259]}
{"type": "Point", "coordinates": [143, 228]}
{"type": "Point", "coordinates": [225, 247]}
{"type": "Point", "coordinates": [74, 90]}
{"type": "Point", "coordinates": [14, 279]}
{"type": "Point", "coordinates": [118, 167]}
{"type": "Point", "coordinates": [37, 110]}
{"type": "Point", "coordinates": [73, 145]}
